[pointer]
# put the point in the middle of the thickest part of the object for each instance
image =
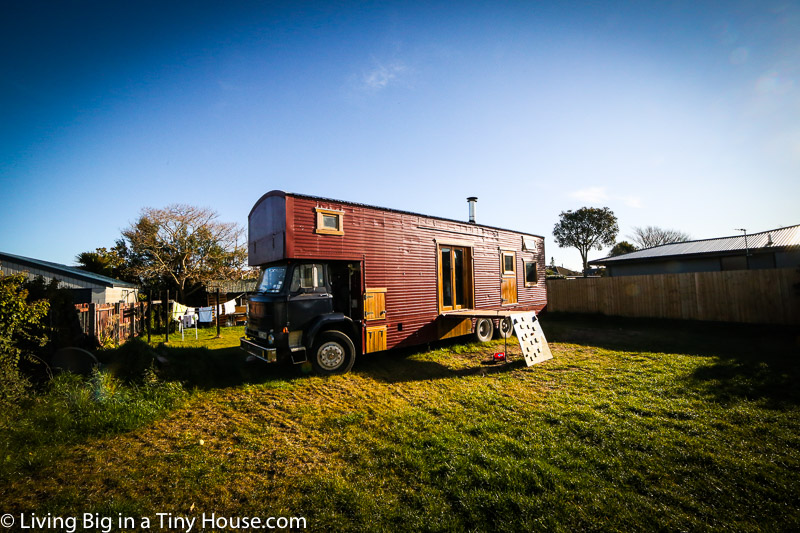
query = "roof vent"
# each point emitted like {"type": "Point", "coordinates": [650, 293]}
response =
{"type": "Point", "coordinates": [769, 239]}
{"type": "Point", "coordinates": [472, 200]}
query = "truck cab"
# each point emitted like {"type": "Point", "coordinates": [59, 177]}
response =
{"type": "Point", "coordinates": [306, 311]}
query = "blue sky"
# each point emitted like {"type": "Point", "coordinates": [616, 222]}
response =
{"type": "Point", "coordinates": [683, 115]}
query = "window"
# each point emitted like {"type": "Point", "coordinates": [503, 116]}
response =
{"type": "Point", "coordinates": [455, 278]}
{"type": "Point", "coordinates": [272, 279]}
{"type": "Point", "coordinates": [508, 265]}
{"type": "Point", "coordinates": [531, 274]}
{"type": "Point", "coordinates": [329, 221]}
{"type": "Point", "coordinates": [307, 277]}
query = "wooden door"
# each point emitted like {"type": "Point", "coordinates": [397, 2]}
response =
{"type": "Point", "coordinates": [508, 283]}
{"type": "Point", "coordinates": [455, 278]}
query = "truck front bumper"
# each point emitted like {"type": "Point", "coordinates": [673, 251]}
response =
{"type": "Point", "coordinates": [269, 355]}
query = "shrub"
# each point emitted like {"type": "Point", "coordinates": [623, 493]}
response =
{"type": "Point", "coordinates": [22, 333]}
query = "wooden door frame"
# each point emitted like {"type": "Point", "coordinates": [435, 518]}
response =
{"type": "Point", "coordinates": [468, 276]}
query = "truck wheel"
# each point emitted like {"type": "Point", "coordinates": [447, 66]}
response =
{"type": "Point", "coordinates": [483, 330]}
{"type": "Point", "coordinates": [505, 328]}
{"type": "Point", "coordinates": [333, 353]}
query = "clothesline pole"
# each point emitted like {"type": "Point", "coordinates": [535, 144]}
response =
{"type": "Point", "coordinates": [218, 306]}
{"type": "Point", "coordinates": [167, 322]}
{"type": "Point", "coordinates": [149, 312]}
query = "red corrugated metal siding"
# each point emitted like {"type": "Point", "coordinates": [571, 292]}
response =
{"type": "Point", "coordinates": [399, 253]}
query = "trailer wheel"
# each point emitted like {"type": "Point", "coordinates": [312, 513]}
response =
{"type": "Point", "coordinates": [505, 328]}
{"type": "Point", "coordinates": [483, 329]}
{"type": "Point", "coordinates": [333, 353]}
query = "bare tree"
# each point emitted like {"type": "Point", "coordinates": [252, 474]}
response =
{"type": "Point", "coordinates": [185, 244]}
{"type": "Point", "coordinates": [655, 236]}
{"type": "Point", "coordinates": [586, 228]}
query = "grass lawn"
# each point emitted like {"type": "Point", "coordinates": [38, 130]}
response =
{"type": "Point", "coordinates": [632, 426]}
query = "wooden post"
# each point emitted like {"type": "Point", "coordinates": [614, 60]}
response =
{"type": "Point", "coordinates": [118, 325]}
{"type": "Point", "coordinates": [149, 313]}
{"type": "Point", "coordinates": [92, 320]}
{"type": "Point", "coordinates": [217, 313]}
{"type": "Point", "coordinates": [166, 316]}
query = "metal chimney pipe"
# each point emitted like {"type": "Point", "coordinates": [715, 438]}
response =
{"type": "Point", "coordinates": [471, 200]}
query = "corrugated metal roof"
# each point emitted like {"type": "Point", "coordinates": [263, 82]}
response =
{"type": "Point", "coordinates": [776, 238]}
{"type": "Point", "coordinates": [73, 272]}
{"type": "Point", "coordinates": [390, 209]}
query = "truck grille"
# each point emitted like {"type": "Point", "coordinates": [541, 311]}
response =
{"type": "Point", "coordinates": [258, 309]}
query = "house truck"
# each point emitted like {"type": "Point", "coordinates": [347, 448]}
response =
{"type": "Point", "coordinates": [340, 279]}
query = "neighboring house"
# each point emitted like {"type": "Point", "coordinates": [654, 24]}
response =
{"type": "Point", "coordinates": [567, 273]}
{"type": "Point", "coordinates": [86, 286]}
{"type": "Point", "coordinates": [777, 248]}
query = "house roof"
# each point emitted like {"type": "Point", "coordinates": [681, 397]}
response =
{"type": "Point", "coordinates": [73, 272]}
{"type": "Point", "coordinates": [771, 239]}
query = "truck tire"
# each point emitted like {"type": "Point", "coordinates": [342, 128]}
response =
{"type": "Point", "coordinates": [483, 329]}
{"type": "Point", "coordinates": [333, 353]}
{"type": "Point", "coordinates": [505, 328]}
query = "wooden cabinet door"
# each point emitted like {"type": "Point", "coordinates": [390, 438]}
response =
{"type": "Point", "coordinates": [376, 339]}
{"type": "Point", "coordinates": [375, 304]}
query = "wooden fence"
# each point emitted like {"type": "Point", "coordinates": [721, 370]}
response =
{"type": "Point", "coordinates": [748, 296]}
{"type": "Point", "coordinates": [112, 322]}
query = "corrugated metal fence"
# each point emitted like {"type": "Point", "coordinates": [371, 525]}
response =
{"type": "Point", "coordinates": [749, 296]}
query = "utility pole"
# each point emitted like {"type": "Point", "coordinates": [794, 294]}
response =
{"type": "Point", "coordinates": [746, 248]}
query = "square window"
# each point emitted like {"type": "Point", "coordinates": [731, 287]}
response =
{"type": "Point", "coordinates": [329, 221]}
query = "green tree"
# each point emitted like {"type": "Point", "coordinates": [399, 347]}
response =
{"type": "Point", "coordinates": [585, 229]}
{"type": "Point", "coordinates": [184, 245]}
{"type": "Point", "coordinates": [112, 263]}
{"type": "Point", "coordinates": [22, 332]}
{"type": "Point", "coordinates": [622, 247]}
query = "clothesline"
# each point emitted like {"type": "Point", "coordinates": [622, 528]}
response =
{"type": "Point", "coordinates": [203, 314]}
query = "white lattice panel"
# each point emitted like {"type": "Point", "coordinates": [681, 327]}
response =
{"type": "Point", "coordinates": [531, 338]}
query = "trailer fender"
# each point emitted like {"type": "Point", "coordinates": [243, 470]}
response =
{"type": "Point", "coordinates": [337, 321]}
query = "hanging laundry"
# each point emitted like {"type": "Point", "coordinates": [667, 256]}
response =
{"type": "Point", "coordinates": [230, 307]}
{"type": "Point", "coordinates": [206, 314]}
{"type": "Point", "coordinates": [178, 310]}
{"type": "Point", "coordinates": [188, 321]}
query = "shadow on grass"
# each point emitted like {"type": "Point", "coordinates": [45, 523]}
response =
{"type": "Point", "coordinates": [208, 368]}
{"type": "Point", "coordinates": [399, 368]}
{"type": "Point", "coordinates": [744, 361]}
{"type": "Point", "coordinates": [200, 368]}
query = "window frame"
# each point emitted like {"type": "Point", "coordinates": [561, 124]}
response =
{"type": "Point", "coordinates": [467, 276]}
{"type": "Point", "coordinates": [508, 273]}
{"type": "Point", "coordinates": [321, 228]}
{"type": "Point", "coordinates": [535, 273]}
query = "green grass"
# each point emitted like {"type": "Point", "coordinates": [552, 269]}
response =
{"type": "Point", "coordinates": [632, 426]}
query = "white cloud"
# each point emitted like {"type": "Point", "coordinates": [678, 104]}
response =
{"type": "Point", "coordinates": [590, 194]}
{"type": "Point", "coordinates": [632, 201]}
{"type": "Point", "coordinates": [382, 76]}
{"type": "Point", "coordinates": [599, 195]}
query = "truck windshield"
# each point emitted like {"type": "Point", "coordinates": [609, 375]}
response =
{"type": "Point", "coordinates": [272, 279]}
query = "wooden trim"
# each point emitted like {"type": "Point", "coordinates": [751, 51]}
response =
{"type": "Point", "coordinates": [525, 273]}
{"type": "Point", "coordinates": [321, 212]}
{"type": "Point", "coordinates": [503, 271]}
{"type": "Point", "coordinates": [468, 277]}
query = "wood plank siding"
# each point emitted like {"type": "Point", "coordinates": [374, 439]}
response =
{"type": "Point", "coordinates": [399, 252]}
{"type": "Point", "coordinates": [745, 296]}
